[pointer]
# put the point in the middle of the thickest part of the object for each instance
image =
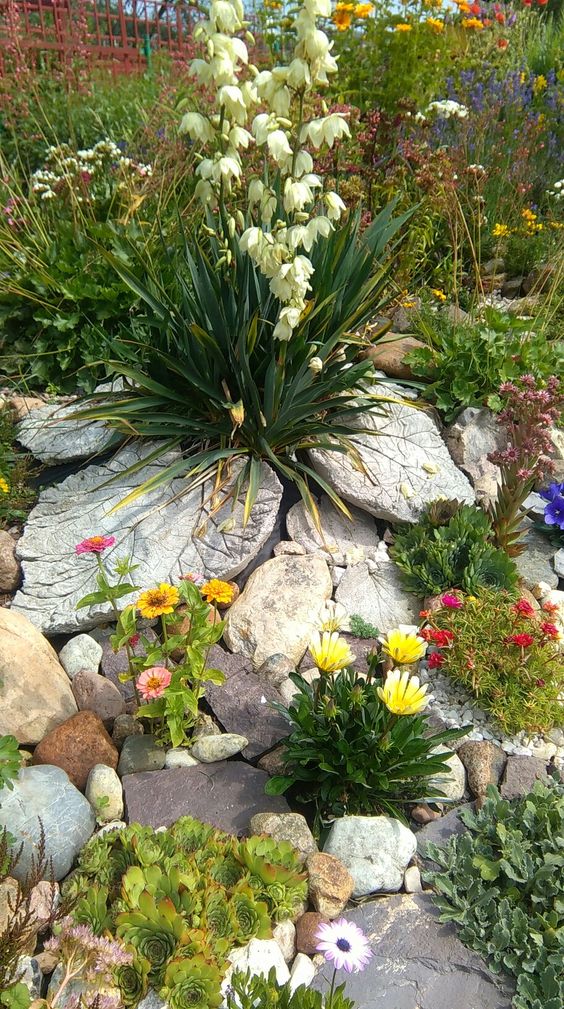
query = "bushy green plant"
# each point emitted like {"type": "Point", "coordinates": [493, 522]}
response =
{"type": "Point", "coordinates": [10, 761]}
{"type": "Point", "coordinates": [362, 628]}
{"type": "Point", "coordinates": [465, 363]}
{"type": "Point", "coordinates": [16, 471]}
{"type": "Point", "coordinates": [180, 900]}
{"type": "Point", "coordinates": [508, 656]}
{"type": "Point", "coordinates": [348, 754]}
{"type": "Point", "coordinates": [453, 552]}
{"type": "Point", "coordinates": [246, 992]}
{"type": "Point", "coordinates": [502, 883]}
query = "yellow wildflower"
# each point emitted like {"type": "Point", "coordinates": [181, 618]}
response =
{"type": "Point", "coordinates": [363, 10]}
{"type": "Point", "coordinates": [402, 694]}
{"type": "Point", "coordinates": [500, 230]}
{"type": "Point", "coordinates": [403, 28]}
{"type": "Point", "coordinates": [216, 591]}
{"type": "Point", "coordinates": [438, 293]}
{"type": "Point", "coordinates": [539, 84]}
{"type": "Point", "coordinates": [463, 7]}
{"type": "Point", "coordinates": [343, 15]}
{"type": "Point", "coordinates": [472, 23]}
{"type": "Point", "coordinates": [156, 602]}
{"type": "Point", "coordinates": [403, 647]}
{"type": "Point", "coordinates": [528, 215]}
{"type": "Point", "coordinates": [436, 24]}
{"type": "Point", "coordinates": [4, 485]}
{"type": "Point", "coordinates": [330, 652]}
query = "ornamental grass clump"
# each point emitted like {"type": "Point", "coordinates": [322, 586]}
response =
{"type": "Point", "coordinates": [506, 653]}
{"type": "Point", "coordinates": [249, 341]}
{"type": "Point", "coordinates": [502, 883]}
{"type": "Point", "coordinates": [179, 900]}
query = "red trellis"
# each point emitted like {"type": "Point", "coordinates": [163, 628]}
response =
{"type": "Point", "coordinates": [121, 33]}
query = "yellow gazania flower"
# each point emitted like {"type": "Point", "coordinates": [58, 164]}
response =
{"type": "Point", "coordinates": [4, 485]}
{"type": "Point", "coordinates": [438, 293]}
{"type": "Point", "coordinates": [156, 602]}
{"type": "Point", "coordinates": [330, 652]}
{"type": "Point", "coordinates": [402, 694]}
{"type": "Point", "coordinates": [342, 16]}
{"type": "Point", "coordinates": [473, 23]}
{"type": "Point", "coordinates": [403, 28]}
{"type": "Point", "coordinates": [403, 647]}
{"type": "Point", "coordinates": [216, 591]}
{"type": "Point", "coordinates": [436, 24]}
{"type": "Point", "coordinates": [500, 230]}
{"type": "Point", "coordinates": [363, 10]}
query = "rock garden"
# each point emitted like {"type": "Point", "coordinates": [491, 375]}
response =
{"type": "Point", "coordinates": [282, 579]}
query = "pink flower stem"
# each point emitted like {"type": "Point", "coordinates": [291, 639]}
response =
{"type": "Point", "coordinates": [128, 649]}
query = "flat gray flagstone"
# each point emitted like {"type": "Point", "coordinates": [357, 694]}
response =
{"type": "Point", "coordinates": [51, 434]}
{"type": "Point", "coordinates": [168, 533]}
{"type": "Point", "coordinates": [406, 465]}
{"type": "Point", "coordinates": [418, 962]}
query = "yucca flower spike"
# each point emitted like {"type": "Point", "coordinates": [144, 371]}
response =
{"type": "Point", "coordinates": [403, 694]}
{"type": "Point", "coordinates": [330, 652]}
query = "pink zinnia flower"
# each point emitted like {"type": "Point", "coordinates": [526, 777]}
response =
{"type": "Point", "coordinates": [153, 682]}
{"type": "Point", "coordinates": [451, 601]}
{"type": "Point", "coordinates": [344, 944]}
{"type": "Point", "coordinates": [94, 544]}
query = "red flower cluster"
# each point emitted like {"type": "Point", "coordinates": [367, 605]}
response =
{"type": "Point", "coordinates": [523, 608]}
{"type": "Point", "coordinates": [436, 637]}
{"type": "Point", "coordinates": [551, 631]}
{"type": "Point", "coordinates": [436, 660]}
{"type": "Point", "coordinates": [522, 640]}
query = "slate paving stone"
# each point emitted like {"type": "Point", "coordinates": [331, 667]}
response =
{"type": "Point", "coordinates": [226, 794]}
{"type": "Point", "coordinates": [521, 773]}
{"type": "Point", "coordinates": [418, 962]}
{"type": "Point", "coordinates": [439, 831]}
{"type": "Point", "coordinates": [243, 703]}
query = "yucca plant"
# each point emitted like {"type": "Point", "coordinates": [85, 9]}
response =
{"type": "Point", "coordinates": [216, 383]}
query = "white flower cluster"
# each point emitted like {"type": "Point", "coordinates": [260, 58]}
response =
{"type": "Point", "coordinates": [557, 190]}
{"type": "Point", "coordinates": [448, 109]}
{"type": "Point", "coordinates": [281, 235]}
{"type": "Point", "coordinates": [63, 166]}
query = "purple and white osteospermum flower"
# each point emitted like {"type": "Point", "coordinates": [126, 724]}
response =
{"type": "Point", "coordinates": [344, 944]}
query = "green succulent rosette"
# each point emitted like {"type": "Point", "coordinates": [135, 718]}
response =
{"type": "Point", "coordinates": [132, 980]}
{"type": "Point", "coordinates": [192, 984]}
{"type": "Point", "coordinates": [249, 917]}
{"type": "Point", "coordinates": [155, 931]}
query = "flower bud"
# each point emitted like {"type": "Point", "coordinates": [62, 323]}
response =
{"type": "Point", "coordinates": [315, 365]}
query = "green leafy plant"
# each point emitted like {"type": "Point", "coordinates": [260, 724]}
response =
{"type": "Point", "coordinates": [180, 900]}
{"type": "Point", "coordinates": [16, 470]}
{"type": "Point", "coordinates": [362, 628]}
{"type": "Point", "coordinates": [501, 882]}
{"type": "Point", "coordinates": [451, 552]}
{"type": "Point", "coordinates": [245, 992]}
{"type": "Point", "coordinates": [10, 761]}
{"type": "Point", "coordinates": [17, 996]}
{"type": "Point", "coordinates": [348, 754]}
{"type": "Point", "coordinates": [506, 654]}
{"type": "Point", "coordinates": [465, 363]}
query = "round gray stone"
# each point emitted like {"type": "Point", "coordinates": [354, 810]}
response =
{"type": "Point", "coordinates": [43, 798]}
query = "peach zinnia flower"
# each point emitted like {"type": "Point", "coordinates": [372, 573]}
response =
{"type": "Point", "coordinates": [153, 682]}
{"type": "Point", "coordinates": [156, 602]}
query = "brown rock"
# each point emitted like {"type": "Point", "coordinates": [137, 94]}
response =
{"type": "Point", "coordinates": [273, 762]}
{"type": "Point", "coordinates": [330, 884]}
{"type": "Point", "coordinates": [36, 691]}
{"type": "Point", "coordinates": [306, 927]}
{"type": "Point", "coordinates": [93, 692]}
{"type": "Point", "coordinates": [10, 571]}
{"type": "Point", "coordinates": [521, 774]}
{"type": "Point", "coordinates": [512, 288]}
{"type": "Point", "coordinates": [388, 355]}
{"type": "Point", "coordinates": [47, 961]}
{"type": "Point", "coordinates": [23, 405]}
{"type": "Point", "coordinates": [76, 746]}
{"type": "Point", "coordinates": [484, 763]}
{"type": "Point", "coordinates": [493, 283]}
{"type": "Point", "coordinates": [539, 280]}
{"type": "Point", "coordinates": [424, 814]}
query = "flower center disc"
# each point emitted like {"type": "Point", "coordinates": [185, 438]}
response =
{"type": "Point", "coordinates": [344, 945]}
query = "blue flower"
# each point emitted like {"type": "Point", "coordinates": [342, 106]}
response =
{"type": "Point", "coordinates": [553, 491]}
{"type": "Point", "coordinates": [554, 512]}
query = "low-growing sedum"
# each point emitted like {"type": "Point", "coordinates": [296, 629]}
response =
{"type": "Point", "coordinates": [179, 900]}
{"type": "Point", "coordinates": [502, 883]}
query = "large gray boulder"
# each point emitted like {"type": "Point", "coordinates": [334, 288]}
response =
{"type": "Point", "coordinates": [405, 465]}
{"type": "Point", "coordinates": [473, 435]}
{"type": "Point", "coordinates": [338, 535]}
{"type": "Point", "coordinates": [43, 801]}
{"type": "Point", "coordinates": [52, 434]}
{"type": "Point", "coordinates": [167, 532]}
{"type": "Point", "coordinates": [375, 849]}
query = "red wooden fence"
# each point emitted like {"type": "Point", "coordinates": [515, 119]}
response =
{"type": "Point", "coordinates": [121, 33]}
